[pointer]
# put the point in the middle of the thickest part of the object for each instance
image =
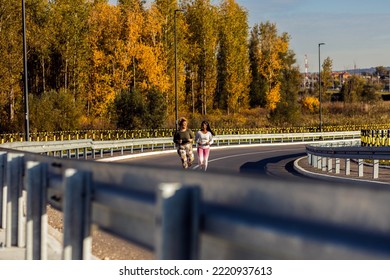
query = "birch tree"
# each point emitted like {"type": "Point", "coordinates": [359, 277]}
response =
{"type": "Point", "coordinates": [201, 59]}
{"type": "Point", "coordinates": [233, 59]}
{"type": "Point", "coordinates": [268, 51]}
{"type": "Point", "coordinates": [11, 64]}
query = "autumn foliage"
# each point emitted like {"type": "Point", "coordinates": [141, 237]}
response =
{"type": "Point", "coordinates": [96, 65]}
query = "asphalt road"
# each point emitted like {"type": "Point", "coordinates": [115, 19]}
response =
{"type": "Point", "coordinates": [255, 160]}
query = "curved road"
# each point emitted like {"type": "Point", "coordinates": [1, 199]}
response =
{"type": "Point", "coordinates": [270, 160]}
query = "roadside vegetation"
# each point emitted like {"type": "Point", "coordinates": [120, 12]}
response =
{"type": "Point", "coordinates": [93, 66]}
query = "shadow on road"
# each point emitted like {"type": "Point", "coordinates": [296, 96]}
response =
{"type": "Point", "coordinates": [262, 167]}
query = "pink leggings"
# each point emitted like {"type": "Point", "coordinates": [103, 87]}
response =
{"type": "Point", "coordinates": [203, 157]}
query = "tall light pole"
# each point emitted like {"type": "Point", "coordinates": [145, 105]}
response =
{"type": "Point", "coordinates": [176, 90]}
{"type": "Point", "coordinates": [319, 82]}
{"type": "Point", "coordinates": [26, 120]}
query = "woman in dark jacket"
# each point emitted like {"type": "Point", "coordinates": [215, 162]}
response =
{"type": "Point", "coordinates": [183, 139]}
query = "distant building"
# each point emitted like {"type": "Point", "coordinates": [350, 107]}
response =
{"type": "Point", "coordinates": [341, 76]}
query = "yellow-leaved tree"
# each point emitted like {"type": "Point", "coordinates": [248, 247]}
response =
{"type": "Point", "coordinates": [271, 50]}
{"type": "Point", "coordinates": [201, 69]}
{"type": "Point", "coordinates": [233, 59]}
{"type": "Point", "coordinates": [104, 38]}
{"type": "Point", "coordinates": [152, 63]}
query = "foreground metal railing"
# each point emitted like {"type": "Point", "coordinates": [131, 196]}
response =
{"type": "Point", "coordinates": [187, 214]}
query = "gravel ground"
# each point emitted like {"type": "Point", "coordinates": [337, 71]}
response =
{"type": "Point", "coordinates": [105, 246]}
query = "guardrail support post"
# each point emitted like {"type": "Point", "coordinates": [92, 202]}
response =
{"type": "Point", "coordinates": [310, 159]}
{"type": "Point", "coordinates": [337, 169]}
{"type": "Point", "coordinates": [347, 166]}
{"type": "Point", "coordinates": [375, 173]}
{"type": "Point", "coordinates": [323, 163]}
{"type": "Point", "coordinates": [3, 193]}
{"type": "Point", "coordinates": [36, 183]}
{"type": "Point", "coordinates": [360, 163]}
{"type": "Point", "coordinates": [77, 215]}
{"type": "Point", "coordinates": [177, 222]}
{"type": "Point", "coordinates": [319, 162]}
{"type": "Point", "coordinates": [315, 161]}
{"type": "Point", "coordinates": [15, 218]}
{"type": "Point", "coordinates": [330, 165]}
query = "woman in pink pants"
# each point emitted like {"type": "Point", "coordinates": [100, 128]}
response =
{"type": "Point", "coordinates": [203, 139]}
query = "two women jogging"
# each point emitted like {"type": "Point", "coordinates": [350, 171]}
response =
{"type": "Point", "coordinates": [184, 138]}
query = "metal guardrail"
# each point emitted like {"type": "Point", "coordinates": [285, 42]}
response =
{"type": "Point", "coordinates": [189, 215]}
{"type": "Point", "coordinates": [322, 157]}
{"type": "Point", "coordinates": [88, 147]}
{"type": "Point", "coordinates": [104, 135]}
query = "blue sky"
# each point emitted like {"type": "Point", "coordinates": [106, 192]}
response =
{"type": "Point", "coordinates": [356, 33]}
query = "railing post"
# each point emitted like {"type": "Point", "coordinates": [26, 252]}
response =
{"type": "Point", "coordinates": [323, 163]}
{"type": "Point", "coordinates": [347, 166]}
{"type": "Point", "coordinates": [360, 167]}
{"type": "Point", "coordinates": [330, 165]}
{"type": "Point", "coordinates": [337, 168]}
{"type": "Point", "coordinates": [315, 161]}
{"type": "Point", "coordinates": [177, 222]}
{"type": "Point", "coordinates": [15, 218]}
{"type": "Point", "coordinates": [310, 159]}
{"type": "Point", "coordinates": [375, 173]}
{"type": "Point", "coordinates": [36, 182]}
{"type": "Point", "coordinates": [77, 215]}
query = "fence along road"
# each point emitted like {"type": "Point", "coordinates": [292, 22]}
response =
{"type": "Point", "coordinates": [322, 157]}
{"type": "Point", "coordinates": [179, 215]}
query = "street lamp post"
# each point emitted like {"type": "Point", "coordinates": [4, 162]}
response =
{"type": "Point", "coordinates": [25, 90]}
{"type": "Point", "coordinates": [176, 90]}
{"type": "Point", "coordinates": [319, 82]}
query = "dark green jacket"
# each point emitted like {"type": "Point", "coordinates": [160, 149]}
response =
{"type": "Point", "coordinates": [184, 136]}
